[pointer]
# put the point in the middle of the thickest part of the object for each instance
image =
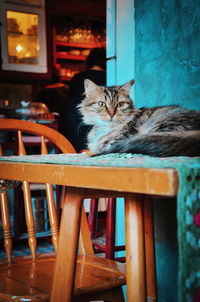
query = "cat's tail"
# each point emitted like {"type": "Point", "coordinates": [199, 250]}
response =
{"type": "Point", "coordinates": [161, 144]}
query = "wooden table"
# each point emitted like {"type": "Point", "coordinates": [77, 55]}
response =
{"type": "Point", "coordinates": [83, 181]}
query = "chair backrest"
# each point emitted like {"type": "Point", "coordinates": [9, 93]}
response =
{"type": "Point", "coordinates": [47, 136]}
{"type": "Point", "coordinates": [37, 129]}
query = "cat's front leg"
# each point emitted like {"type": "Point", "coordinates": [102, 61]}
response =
{"type": "Point", "coordinates": [105, 143]}
{"type": "Point", "coordinates": [101, 145]}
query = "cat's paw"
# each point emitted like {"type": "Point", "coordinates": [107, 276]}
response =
{"type": "Point", "coordinates": [104, 147]}
{"type": "Point", "coordinates": [89, 153]}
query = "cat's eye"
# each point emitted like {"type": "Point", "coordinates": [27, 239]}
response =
{"type": "Point", "coordinates": [101, 104]}
{"type": "Point", "coordinates": [120, 104]}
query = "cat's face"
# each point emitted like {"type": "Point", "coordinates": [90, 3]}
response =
{"type": "Point", "coordinates": [106, 104]}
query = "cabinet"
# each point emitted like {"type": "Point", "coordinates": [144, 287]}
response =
{"type": "Point", "coordinates": [23, 36]}
{"type": "Point", "coordinates": [72, 46]}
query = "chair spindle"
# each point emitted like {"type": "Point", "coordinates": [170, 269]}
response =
{"type": "Point", "coordinates": [51, 203]}
{"type": "Point", "coordinates": [28, 203]}
{"type": "Point", "coordinates": [5, 218]}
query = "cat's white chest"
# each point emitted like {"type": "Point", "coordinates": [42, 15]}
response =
{"type": "Point", "coordinates": [94, 136]}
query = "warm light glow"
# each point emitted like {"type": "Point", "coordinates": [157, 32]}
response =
{"type": "Point", "coordinates": [19, 48]}
{"type": "Point", "coordinates": [23, 42]}
{"type": "Point", "coordinates": [28, 54]}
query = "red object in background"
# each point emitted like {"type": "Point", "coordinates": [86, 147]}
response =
{"type": "Point", "coordinates": [196, 297]}
{"type": "Point", "coordinates": [197, 221]}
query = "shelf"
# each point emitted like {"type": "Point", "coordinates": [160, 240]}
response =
{"type": "Point", "coordinates": [62, 55]}
{"type": "Point", "coordinates": [69, 57]}
{"type": "Point", "coordinates": [65, 79]}
{"type": "Point", "coordinates": [18, 34]}
{"type": "Point", "coordinates": [78, 45]}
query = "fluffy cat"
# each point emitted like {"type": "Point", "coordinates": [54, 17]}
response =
{"type": "Point", "coordinates": [117, 126]}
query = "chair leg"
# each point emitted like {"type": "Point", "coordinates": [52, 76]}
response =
{"type": "Point", "coordinates": [109, 247]}
{"type": "Point", "coordinates": [85, 243]}
{"type": "Point", "coordinates": [149, 250]}
{"type": "Point", "coordinates": [64, 272]}
{"type": "Point", "coordinates": [92, 217]}
{"type": "Point", "coordinates": [6, 225]}
{"type": "Point", "coordinates": [110, 229]}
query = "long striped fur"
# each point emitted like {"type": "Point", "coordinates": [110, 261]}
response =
{"type": "Point", "coordinates": [120, 127]}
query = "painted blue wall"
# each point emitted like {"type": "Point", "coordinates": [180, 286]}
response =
{"type": "Point", "coordinates": [167, 53]}
{"type": "Point", "coordinates": [167, 72]}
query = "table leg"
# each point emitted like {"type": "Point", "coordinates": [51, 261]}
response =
{"type": "Point", "coordinates": [149, 250]}
{"type": "Point", "coordinates": [135, 252]}
{"type": "Point", "coordinates": [65, 267]}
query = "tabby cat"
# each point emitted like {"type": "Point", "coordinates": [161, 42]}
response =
{"type": "Point", "coordinates": [117, 126]}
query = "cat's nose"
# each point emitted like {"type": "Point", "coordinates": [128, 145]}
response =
{"type": "Point", "coordinates": [111, 113]}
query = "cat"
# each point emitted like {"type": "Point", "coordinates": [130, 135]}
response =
{"type": "Point", "coordinates": [119, 127]}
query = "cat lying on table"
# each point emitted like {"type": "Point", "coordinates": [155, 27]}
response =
{"type": "Point", "coordinates": [120, 127]}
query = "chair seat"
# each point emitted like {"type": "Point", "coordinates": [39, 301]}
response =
{"type": "Point", "coordinates": [33, 280]}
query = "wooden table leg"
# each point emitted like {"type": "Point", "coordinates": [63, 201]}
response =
{"type": "Point", "coordinates": [135, 253]}
{"type": "Point", "coordinates": [65, 267]}
{"type": "Point", "coordinates": [149, 250]}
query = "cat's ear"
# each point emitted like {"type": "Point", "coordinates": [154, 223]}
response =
{"type": "Point", "coordinates": [127, 86]}
{"type": "Point", "coordinates": [90, 87]}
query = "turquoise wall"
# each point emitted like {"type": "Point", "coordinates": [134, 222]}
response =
{"type": "Point", "coordinates": [167, 52]}
{"type": "Point", "coordinates": [167, 71]}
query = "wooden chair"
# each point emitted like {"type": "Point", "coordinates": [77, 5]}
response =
{"type": "Point", "coordinates": [109, 247]}
{"type": "Point", "coordinates": [40, 135]}
{"type": "Point", "coordinates": [31, 278]}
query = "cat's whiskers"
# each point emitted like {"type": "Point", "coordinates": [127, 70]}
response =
{"type": "Point", "coordinates": [78, 130]}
